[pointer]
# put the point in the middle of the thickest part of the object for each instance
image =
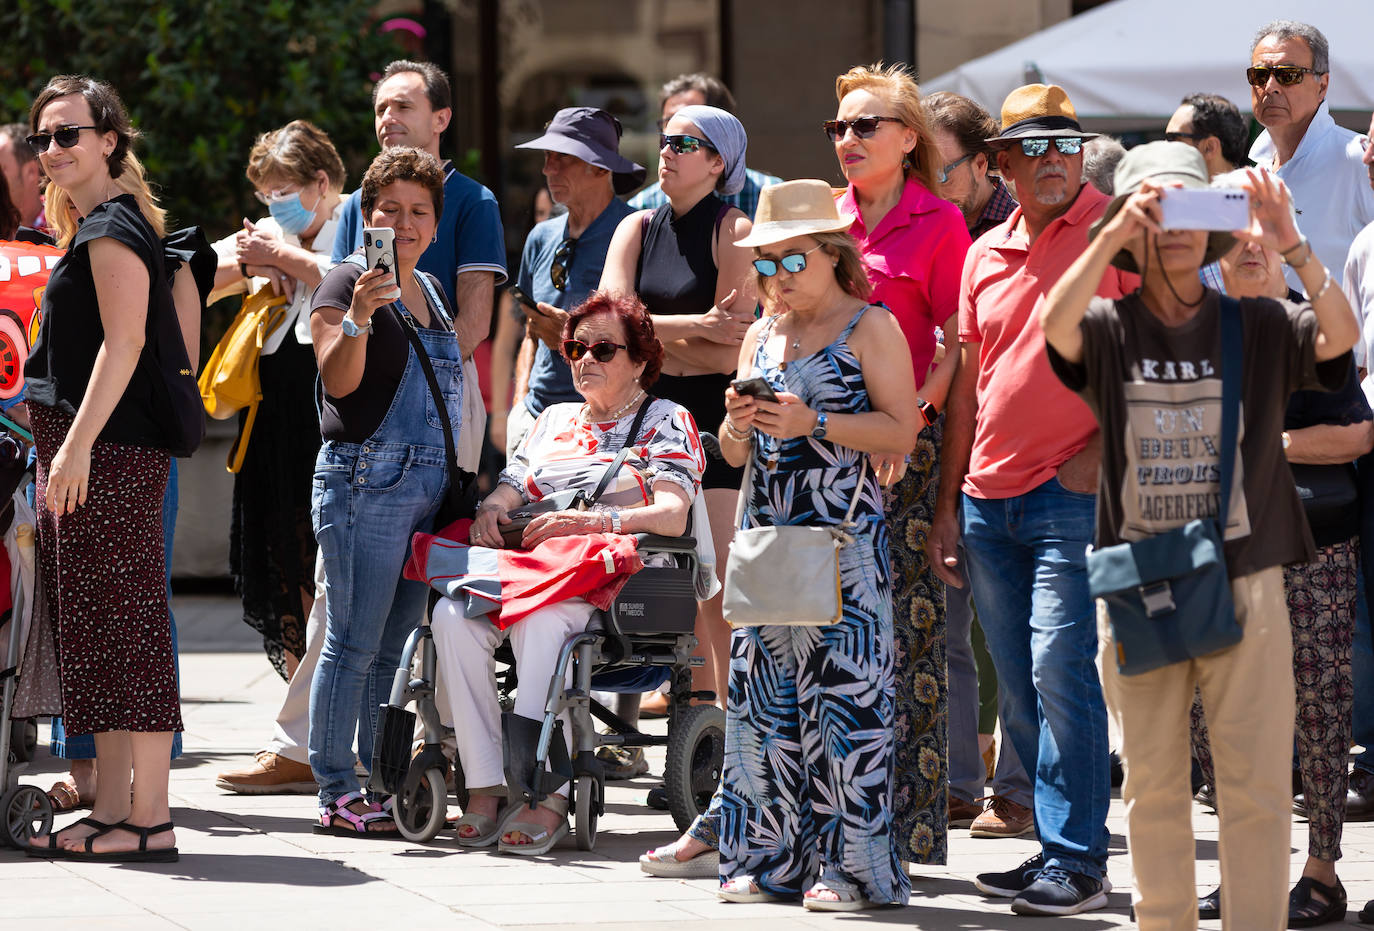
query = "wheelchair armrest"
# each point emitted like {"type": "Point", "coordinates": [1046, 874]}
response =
{"type": "Point", "coordinates": [652, 542]}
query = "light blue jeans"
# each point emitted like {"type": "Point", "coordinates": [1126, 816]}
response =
{"type": "Point", "coordinates": [1027, 561]}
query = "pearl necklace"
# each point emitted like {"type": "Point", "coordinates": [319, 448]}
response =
{"type": "Point", "coordinates": [587, 410]}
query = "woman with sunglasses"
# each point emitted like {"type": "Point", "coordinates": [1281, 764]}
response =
{"type": "Point", "coordinates": [615, 358]}
{"type": "Point", "coordinates": [298, 175]}
{"type": "Point", "coordinates": [913, 246]}
{"type": "Point", "coordinates": [683, 262]}
{"type": "Point", "coordinates": [94, 388]}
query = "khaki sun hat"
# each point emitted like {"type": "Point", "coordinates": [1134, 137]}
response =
{"type": "Point", "coordinates": [795, 208]}
{"type": "Point", "coordinates": [1042, 110]}
{"type": "Point", "coordinates": [1162, 163]}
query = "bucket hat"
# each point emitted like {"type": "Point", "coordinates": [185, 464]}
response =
{"type": "Point", "coordinates": [795, 208]}
{"type": "Point", "coordinates": [1040, 110]}
{"type": "Point", "coordinates": [594, 136]}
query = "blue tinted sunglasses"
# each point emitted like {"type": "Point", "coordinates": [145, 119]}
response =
{"type": "Point", "coordinates": [1037, 146]}
{"type": "Point", "coordinates": [792, 263]}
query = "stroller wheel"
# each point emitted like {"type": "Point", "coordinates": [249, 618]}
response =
{"type": "Point", "coordinates": [588, 802]}
{"type": "Point", "coordinates": [696, 758]}
{"type": "Point", "coordinates": [23, 739]}
{"type": "Point", "coordinates": [421, 806]}
{"type": "Point", "coordinates": [27, 812]}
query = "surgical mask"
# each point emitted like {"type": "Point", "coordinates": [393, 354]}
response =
{"type": "Point", "coordinates": [291, 214]}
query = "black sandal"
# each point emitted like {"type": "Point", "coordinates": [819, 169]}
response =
{"type": "Point", "coordinates": [141, 855]}
{"type": "Point", "coordinates": [1306, 912]}
{"type": "Point", "coordinates": [54, 852]}
{"type": "Point", "coordinates": [1209, 905]}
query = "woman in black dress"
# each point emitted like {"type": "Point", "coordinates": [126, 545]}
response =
{"type": "Point", "coordinates": [93, 386]}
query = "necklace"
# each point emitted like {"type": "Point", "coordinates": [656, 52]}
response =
{"type": "Point", "coordinates": [587, 410]}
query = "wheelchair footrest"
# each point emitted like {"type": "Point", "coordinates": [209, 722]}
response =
{"type": "Point", "coordinates": [527, 777]}
{"type": "Point", "coordinates": [391, 749]}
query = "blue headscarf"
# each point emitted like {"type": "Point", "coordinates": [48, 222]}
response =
{"type": "Point", "coordinates": [726, 135]}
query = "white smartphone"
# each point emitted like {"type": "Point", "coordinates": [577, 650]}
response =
{"type": "Point", "coordinates": [1204, 209]}
{"type": "Point", "coordinates": [379, 245]}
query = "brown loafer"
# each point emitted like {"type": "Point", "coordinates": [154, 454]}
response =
{"type": "Point", "coordinates": [1003, 818]}
{"type": "Point", "coordinates": [270, 774]}
{"type": "Point", "coordinates": [962, 814]}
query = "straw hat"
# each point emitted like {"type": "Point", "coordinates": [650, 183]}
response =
{"type": "Point", "coordinates": [1038, 110]}
{"type": "Point", "coordinates": [795, 208]}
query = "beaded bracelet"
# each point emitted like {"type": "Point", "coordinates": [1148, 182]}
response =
{"type": "Point", "coordinates": [737, 435]}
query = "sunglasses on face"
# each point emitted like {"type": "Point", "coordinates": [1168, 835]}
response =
{"type": "Point", "coordinates": [1036, 147]}
{"type": "Point", "coordinates": [942, 175]}
{"type": "Point", "coordinates": [683, 144]}
{"type": "Point", "coordinates": [602, 350]}
{"type": "Point", "coordinates": [66, 137]}
{"type": "Point", "coordinates": [562, 258]}
{"type": "Point", "coordinates": [1286, 75]}
{"type": "Point", "coordinates": [1185, 138]}
{"type": "Point", "coordinates": [864, 127]}
{"type": "Point", "coordinates": [793, 263]}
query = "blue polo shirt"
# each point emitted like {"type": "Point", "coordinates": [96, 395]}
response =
{"type": "Point", "coordinates": [469, 237]}
{"type": "Point", "coordinates": [550, 379]}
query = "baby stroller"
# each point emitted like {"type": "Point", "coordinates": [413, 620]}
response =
{"type": "Point", "coordinates": [642, 641]}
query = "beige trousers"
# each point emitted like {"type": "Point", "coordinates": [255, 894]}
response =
{"type": "Point", "coordinates": [1247, 690]}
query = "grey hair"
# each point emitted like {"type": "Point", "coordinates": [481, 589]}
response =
{"type": "Point", "coordinates": [1100, 158]}
{"type": "Point", "coordinates": [1282, 29]}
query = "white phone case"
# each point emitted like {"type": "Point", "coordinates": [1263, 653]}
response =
{"type": "Point", "coordinates": [379, 246]}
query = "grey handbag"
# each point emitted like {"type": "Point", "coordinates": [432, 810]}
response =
{"type": "Point", "coordinates": [786, 574]}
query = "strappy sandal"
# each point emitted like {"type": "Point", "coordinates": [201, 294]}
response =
{"type": "Point", "coordinates": [141, 855]}
{"type": "Point", "coordinates": [488, 828]}
{"type": "Point", "coordinates": [51, 851]}
{"type": "Point", "coordinates": [64, 797]}
{"type": "Point", "coordinates": [847, 897]}
{"type": "Point", "coordinates": [663, 861]}
{"type": "Point", "coordinates": [356, 824]}
{"type": "Point", "coordinates": [1306, 912]}
{"type": "Point", "coordinates": [744, 889]}
{"type": "Point", "coordinates": [542, 840]}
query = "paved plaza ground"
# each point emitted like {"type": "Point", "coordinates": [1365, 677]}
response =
{"type": "Point", "coordinates": [253, 863]}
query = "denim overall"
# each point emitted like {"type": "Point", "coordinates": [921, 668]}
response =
{"type": "Point", "coordinates": [368, 499]}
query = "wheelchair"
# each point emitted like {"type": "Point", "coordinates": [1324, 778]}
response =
{"type": "Point", "coordinates": [644, 640]}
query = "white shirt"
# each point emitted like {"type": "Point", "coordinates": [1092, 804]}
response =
{"type": "Point", "coordinates": [1359, 290]}
{"type": "Point", "coordinates": [1330, 188]}
{"type": "Point", "coordinates": [298, 311]}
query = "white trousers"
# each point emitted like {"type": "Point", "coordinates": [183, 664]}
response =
{"type": "Point", "coordinates": [466, 648]}
{"type": "Point", "coordinates": [291, 734]}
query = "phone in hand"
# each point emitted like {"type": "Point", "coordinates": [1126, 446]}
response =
{"type": "Point", "coordinates": [523, 299]}
{"type": "Point", "coordinates": [755, 387]}
{"type": "Point", "coordinates": [379, 245]}
{"type": "Point", "coordinates": [1204, 209]}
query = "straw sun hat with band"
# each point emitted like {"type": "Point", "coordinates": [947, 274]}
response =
{"type": "Point", "coordinates": [1162, 163]}
{"type": "Point", "coordinates": [795, 208]}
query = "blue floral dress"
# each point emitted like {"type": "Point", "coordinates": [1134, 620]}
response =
{"type": "Point", "coordinates": [806, 792]}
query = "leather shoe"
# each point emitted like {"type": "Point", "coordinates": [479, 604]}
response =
{"type": "Point", "coordinates": [1359, 796]}
{"type": "Point", "coordinates": [1003, 818]}
{"type": "Point", "coordinates": [270, 774]}
{"type": "Point", "coordinates": [962, 814]}
{"type": "Point", "coordinates": [1209, 905]}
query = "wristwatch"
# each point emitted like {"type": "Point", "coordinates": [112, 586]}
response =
{"type": "Point", "coordinates": [615, 520]}
{"type": "Point", "coordinates": [928, 412]}
{"type": "Point", "coordinates": [818, 431]}
{"type": "Point", "coordinates": [351, 328]}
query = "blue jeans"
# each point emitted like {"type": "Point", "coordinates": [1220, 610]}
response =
{"type": "Point", "coordinates": [1027, 562]}
{"type": "Point", "coordinates": [66, 746]}
{"type": "Point", "coordinates": [365, 507]}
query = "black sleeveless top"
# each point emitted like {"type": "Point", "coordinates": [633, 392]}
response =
{"type": "Point", "coordinates": [677, 275]}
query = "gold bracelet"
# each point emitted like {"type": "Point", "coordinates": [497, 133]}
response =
{"type": "Point", "coordinates": [738, 436]}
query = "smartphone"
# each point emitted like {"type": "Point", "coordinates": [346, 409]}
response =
{"type": "Point", "coordinates": [755, 387]}
{"type": "Point", "coordinates": [1204, 209]}
{"type": "Point", "coordinates": [520, 297]}
{"type": "Point", "coordinates": [379, 244]}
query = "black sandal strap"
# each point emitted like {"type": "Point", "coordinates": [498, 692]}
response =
{"type": "Point", "coordinates": [144, 833]}
{"type": "Point", "coordinates": [1301, 896]}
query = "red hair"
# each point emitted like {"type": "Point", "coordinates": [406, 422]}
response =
{"type": "Point", "coordinates": [640, 341]}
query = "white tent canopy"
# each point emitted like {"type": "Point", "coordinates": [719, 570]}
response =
{"type": "Point", "coordinates": [1133, 60]}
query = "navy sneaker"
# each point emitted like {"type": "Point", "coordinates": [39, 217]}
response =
{"type": "Point", "coordinates": [1013, 882]}
{"type": "Point", "coordinates": [1057, 891]}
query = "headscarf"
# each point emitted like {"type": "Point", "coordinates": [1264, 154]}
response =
{"type": "Point", "coordinates": [726, 135]}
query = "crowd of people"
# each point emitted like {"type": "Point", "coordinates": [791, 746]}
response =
{"type": "Point", "coordinates": [989, 358]}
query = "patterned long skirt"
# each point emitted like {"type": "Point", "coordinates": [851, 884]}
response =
{"type": "Point", "coordinates": [919, 794]}
{"type": "Point", "coordinates": [105, 584]}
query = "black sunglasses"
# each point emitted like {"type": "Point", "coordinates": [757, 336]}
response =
{"type": "Point", "coordinates": [942, 176]}
{"type": "Point", "coordinates": [1037, 146]}
{"type": "Point", "coordinates": [562, 258]}
{"type": "Point", "coordinates": [864, 127]}
{"type": "Point", "coordinates": [1286, 75]}
{"type": "Point", "coordinates": [602, 350]}
{"type": "Point", "coordinates": [1181, 137]}
{"type": "Point", "coordinates": [684, 144]}
{"type": "Point", "coordinates": [66, 137]}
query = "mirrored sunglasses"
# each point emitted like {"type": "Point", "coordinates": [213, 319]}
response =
{"type": "Point", "coordinates": [791, 263]}
{"type": "Point", "coordinates": [683, 144]}
{"type": "Point", "coordinates": [864, 127]}
{"type": "Point", "coordinates": [1286, 75]}
{"type": "Point", "coordinates": [66, 137]}
{"type": "Point", "coordinates": [1035, 147]}
{"type": "Point", "coordinates": [602, 350]}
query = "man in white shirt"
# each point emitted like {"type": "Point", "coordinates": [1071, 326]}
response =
{"type": "Point", "coordinates": [1318, 160]}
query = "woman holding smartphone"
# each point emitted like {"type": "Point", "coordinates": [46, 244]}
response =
{"type": "Point", "coordinates": [381, 473]}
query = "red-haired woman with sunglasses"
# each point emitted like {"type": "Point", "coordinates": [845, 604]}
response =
{"type": "Point", "coordinates": [913, 246]}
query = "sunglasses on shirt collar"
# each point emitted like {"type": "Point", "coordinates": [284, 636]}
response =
{"type": "Point", "coordinates": [562, 259]}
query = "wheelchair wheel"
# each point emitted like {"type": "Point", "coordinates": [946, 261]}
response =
{"type": "Point", "coordinates": [588, 801]}
{"type": "Point", "coordinates": [27, 813]}
{"type": "Point", "coordinates": [696, 756]}
{"type": "Point", "coordinates": [421, 807]}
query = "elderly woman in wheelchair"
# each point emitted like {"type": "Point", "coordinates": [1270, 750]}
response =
{"type": "Point", "coordinates": [572, 449]}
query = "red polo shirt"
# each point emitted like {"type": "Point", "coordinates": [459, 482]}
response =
{"type": "Point", "coordinates": [913, 259]}
{"type": "Point", "coordinates": [1029, 424]}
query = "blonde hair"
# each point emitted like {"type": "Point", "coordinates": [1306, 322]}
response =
{"type": "Point", "coordinates": [132, 180]}
{"type": "Point", "coordinates": [849, 266]}
{"type": "Point", "coordinates": [896, 84]}
{"type": "Point", "coordinates": [295, 152]}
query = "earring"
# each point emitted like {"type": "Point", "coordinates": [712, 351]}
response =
{"type": "Point", "coordinates": [906, 162]}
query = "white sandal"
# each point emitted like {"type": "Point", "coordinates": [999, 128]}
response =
{"type": "Point", "coordinates": [848, 898]}
{"type": "Point", "coordinates": [744, 889]}
{"type": "Point", "coordinates": [663, 861]}
{"type": "Point", "coordinates": [542, 840]}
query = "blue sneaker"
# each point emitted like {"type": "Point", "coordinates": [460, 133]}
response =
{"type": "Point", "coordinates": [1057, 891]}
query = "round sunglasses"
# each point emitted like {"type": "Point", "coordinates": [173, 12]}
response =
{"type": "Point", "coordinates": [602, 350]}
{"type": "Point", "coordinates": [864, 127]}
{"type": "Point", "coordinates": [791, 263]}
{"type": "Point", "coordinates": [683, 144]}
{"type": "Point", "coordinates": [1286, 75]}
{"type": "Point", "coordinates": [66, 137]}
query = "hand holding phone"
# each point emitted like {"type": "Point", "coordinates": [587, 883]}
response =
{"type": "Point", "coordinates": [1223, 209]}
{"type": "Point", "coordinates": [754, 387]}
{"type": "Point", "coordinates": [379, 246]}
{"type": "Point", "coordinates": [524, 300]}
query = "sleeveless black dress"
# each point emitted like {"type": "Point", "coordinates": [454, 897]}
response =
{"type": "Point", "coordinates": [677, 275]}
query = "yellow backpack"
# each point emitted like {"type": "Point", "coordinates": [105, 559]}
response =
{"type": "Point", "coordinates": [229, 383]}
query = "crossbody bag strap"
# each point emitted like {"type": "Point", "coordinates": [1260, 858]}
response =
{"type": "Point", "coordinates": [749, 474]}
{"type": "Point", "coordinates": [1232, 368]}
{"type": "Point", "coordinates": [625, 450]}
